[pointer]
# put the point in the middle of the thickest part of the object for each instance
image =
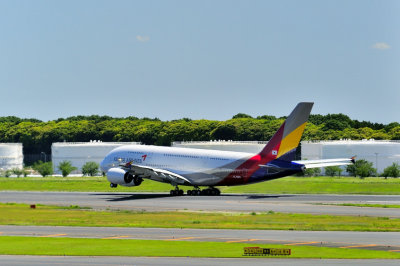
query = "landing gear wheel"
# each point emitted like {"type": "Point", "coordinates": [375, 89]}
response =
{"type": "Point", "coordinates": [205, 192]}
{"type": "Point", "coordinates": [176, 192]}
{"type": "Point", "coordinates": [211, 191]}
{"type": "Point", "coordinates": [189, 192]}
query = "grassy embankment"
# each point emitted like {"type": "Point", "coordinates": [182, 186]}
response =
{"type": "Point", "coordinates": [288, 185]}
{"type": "Point", "coordinates": [150, 248]}
{"type": "Point", "coordinates": [21, 214]}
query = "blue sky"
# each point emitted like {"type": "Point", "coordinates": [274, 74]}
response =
{"type": "Point", "coordinates": [199, 59]}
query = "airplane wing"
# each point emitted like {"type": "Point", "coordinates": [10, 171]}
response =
{"type": "Point", "coordinates": [155, 173]}
{"type": "Point", "coordinates": [326, 162]}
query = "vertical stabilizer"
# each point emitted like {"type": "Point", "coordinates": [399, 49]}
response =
{"type": "Point", "coordinates": [285, 141]}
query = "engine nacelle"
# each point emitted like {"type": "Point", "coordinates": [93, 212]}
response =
{"type": "Point", "coordinates": [123, 178]}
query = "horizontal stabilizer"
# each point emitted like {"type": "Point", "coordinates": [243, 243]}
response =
{"type": "Point", "coordinates": [325, 162]}
{"type": "Point", "coordinates": [318, 165]}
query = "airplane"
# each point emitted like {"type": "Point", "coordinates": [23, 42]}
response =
{"type": "Point", "coordinates": [129, 165]}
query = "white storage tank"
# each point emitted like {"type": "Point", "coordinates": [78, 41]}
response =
{"type": "Point", "coordinates": [11, 156]}
{"type": "Point", "coordinates": [79, 153]}
{"type": "Point", "coordinates": [223, 145]}
{"type": "Point", "coordinates": [382, 153]}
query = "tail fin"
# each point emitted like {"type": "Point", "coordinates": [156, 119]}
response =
{"type": "Point", "coordinates": [285, 141]}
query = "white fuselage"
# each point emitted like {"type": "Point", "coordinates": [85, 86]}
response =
{"type": "Point", "coordinates": [202, 167]}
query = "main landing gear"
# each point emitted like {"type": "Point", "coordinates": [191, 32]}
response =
{"type": "Point", "coordinates": [211, 191]}
{"type": "Point", "coordinates": [176, 192]}
{"type": "Point", "coordinates": [194, 192]}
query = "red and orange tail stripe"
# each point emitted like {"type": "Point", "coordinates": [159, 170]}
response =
{"type": "Point", "coordinates": [289, 134]}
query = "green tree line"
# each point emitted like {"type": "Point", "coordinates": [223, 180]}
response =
{"type": "Point", "coordinates": [37, 136]}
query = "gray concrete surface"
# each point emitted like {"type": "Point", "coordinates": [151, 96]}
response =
{"type": "Point", "coordinates": [145, 261]}
{"type": "Point", "coordinates": [236, 203]}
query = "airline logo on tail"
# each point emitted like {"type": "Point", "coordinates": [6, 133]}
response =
{"type": "Point", "coordinates": [282, 145]}
{"type": "Point", "coordinates": [287, 138]}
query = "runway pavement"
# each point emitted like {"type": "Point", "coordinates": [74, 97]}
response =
{"type": "Point", "coordinates": [145, 261]}
{"type": "Point", "coordinates": [231, 202]}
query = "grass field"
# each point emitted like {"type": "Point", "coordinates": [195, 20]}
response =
{"type": "Point", "coordinates": [13, 245]}
{"type": "Point", "coordinates": [288, 185]}
{"type": "Point", "coordinates": [21, 214]}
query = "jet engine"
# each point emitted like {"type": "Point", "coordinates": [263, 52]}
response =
{"type": "Point", "coordinates": [118, 176]}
